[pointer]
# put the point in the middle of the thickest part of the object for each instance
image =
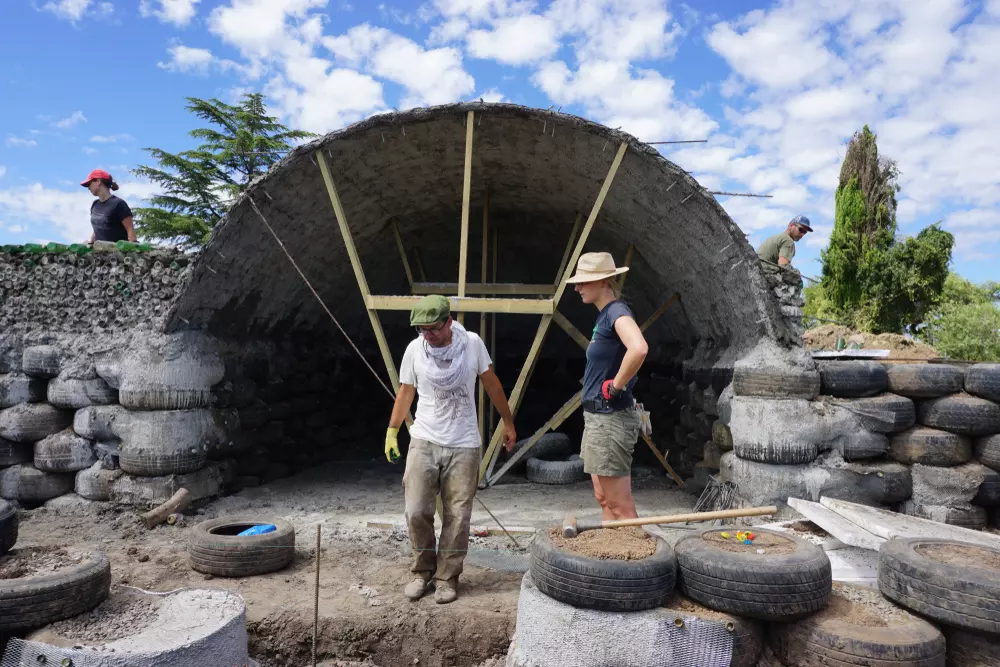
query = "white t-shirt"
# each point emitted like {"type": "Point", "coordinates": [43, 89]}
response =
{"type": "Point", "coordinates": [445, 418]}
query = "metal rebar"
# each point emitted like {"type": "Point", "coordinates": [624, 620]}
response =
{"type": "Point", "coordinates": [319, 528]}
{"type": "Point", "coordinates": [740, 194]}
{"type": "Point", "coordinates": [687, 141]}
{"type": "Point", "coordinates": [498, 522]}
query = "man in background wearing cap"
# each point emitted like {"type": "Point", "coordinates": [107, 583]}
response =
{"type": "Point", "coordinates": [441, 366]}
{"type": "Point", "coordinates": [780, 248]}
{"type": "Point", "coordinates": [110, 216]}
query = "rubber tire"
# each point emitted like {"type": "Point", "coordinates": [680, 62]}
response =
{"type": "Point", "coordinates": [862, 445]}
{"type": "Point", "coordinates": [607, 585]}
{"type": "Point", "coordinates": [232, 556]}
{"type": "Point", "coordinates": [722, 436]}
{"type": "Point", "coordinates": [961, 596]}
{"type": "Point", "coordinates": [150, 462]}
{"type": "Point", "coordinates": [13, 453]}
{"type": "Point", "coordinates": [556, 472]}
{"type": "Point", "coordinates": [255, 415]}
{"type": "Point", "coordinates": [885, 413]}
{"type": "Point", "coordinates": [41, 361]}
{"type": "Point", "coordinates": [970, 649]}
{"type": "Point", "coordinates": [8, 526]}
{"type": "Point", "coordinates": [774, 588]}
{"type": "Point", "coordinates": [983, 380]}
{"type": "Point", "coordinates": [788, 454]}
{"type": "Point", "coordinates": [925, 380]}
{"type": "Point", "coordinates": [550, 447]}
{"type": "Point", "coordinates": [75, 394]}
{"type": "Point", "coordinates": [26, 604]}
{"type": "Point", "coordinates": [64, 452]}
{"type": "Point", "coordinates": [931, 447]}
{"type": "Point", "coordinates": [852, 379]}
{"type": "Point", "coordinates": [962, 414]}
{"type": "Point", "coordinates": [987, 450]}
{"type": "Point", "coordinates": [887, 483]}
{"type": "Point", "coordinates": [95, 482]}
{"type": "Point", "coordinates": [17, 388]}
{"type": "Point", "coordinates": [989, 491]}
{"type": "Point", "coordinates": [832, 640]}
{"type": "Point", "coordinates": [26, 484]}
{"type": "Point", "coordinates": [747, 634]}
{"type": "Point", "coordinates": [973, 517]}
{"type": "Point", "coordinates": [31, 422]}
{"type": "Point", "coordinates": [776, 382]}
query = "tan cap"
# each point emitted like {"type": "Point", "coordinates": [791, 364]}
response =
{"type": "Point", "coordinates": [595, 266]}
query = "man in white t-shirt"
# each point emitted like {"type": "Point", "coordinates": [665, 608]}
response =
{"type": "Point", "coordinates": [441, 367]}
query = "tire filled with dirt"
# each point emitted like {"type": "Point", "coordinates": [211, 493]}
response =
{"type": "Point", "coordinates": [624, 569]}
{"type": "Point", "coordinates": [954, 583]}
{"type": "Point", "coordinates": [962, 414]}
{"type": "Point", "coordinates": [858, 627]}
{"type": "Point", "coordinates": [971, 649]}
{"type": "Point", "coordinates": [930, 447]}
{"type": "Point", "coordinates": [42, 585]}
{"type": "Point", "coordinates": [748, 634]}
{"type": "Point", "coordinates": [791, 579]}
{"type": "Point", "coordinates": [853, 379]}
{"type": "Point", "coordinates": [885, 413]}
{"type": "Point", "coordinates": [925, 380]}
{"type": "Point", "coordinates": [215, 547]}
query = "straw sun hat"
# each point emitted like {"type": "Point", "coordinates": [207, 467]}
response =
{"type": "Point", "coordinates": [595, 266]}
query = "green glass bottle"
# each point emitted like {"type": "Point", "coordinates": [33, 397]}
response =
{"type": "Point", "coordinates": [80, 249]}
{"type": "Point", "coordinates": [33, 248]}
{"type": "Point", "coordinates": [58, 248]}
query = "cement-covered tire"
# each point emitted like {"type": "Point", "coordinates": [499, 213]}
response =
{"type": "Point", "coordinates": [34, 602]}
{"type": "Point", "coordinates": [28, 485]}
{"type": "Point", "coordinates": [8, 526]}
{"type": "Point", "coordinates": [41, 361]}
{"type": "Point", "coordinates": [930, 446]}
{"type": "Point", "coordinates": [214, 547]}
{"type": "Point", "coordinates": [770, 587]}
{"type": "Point", "coordinates": [154, 462]}
{"type": "Point", "coordinates": [12, 453]}
{"type": "Point", "coordinates": [784, 454]}
{"type": "Point", "coordinates": [171, 442]}
{"type": "Point", "coordinates": [987, 450]}
{"type": "Point", "coordinates": [64, 452]}
{"type": "Point", "coordinates": [95, 482]}
{"type": "Point", "coordinates": [970, 516]}
{"type": "Point", "coordinates": [74, 394]}
{"type": "Point", "coordinates": [147, 492]}
{"type": "Point", "coordinates": [747, 634]}
{"type": "Point", "coordinates": [776, 382]}
{"type": "Point", "coordinates": [989, 491]}
{"type": "Point", "coordinates": [971, 649]}
{"type": "Point", "coordinates": [886, 483]}
{"type": "Point", "coordinates": [16, 388]}
{"type": "Point", "coordinates": [556, 472]}
{"type": "Point", "coordinates": [861, 445]}
{"type": "Point", "coordinates": [983, 380]}
{"type": "Point", "coordinates": [852, 379]}
{"type": "Point", "coordinates": [925, 380]}
{"type": "Point", "coordinates": [97, 422]}
{"type": "Point", "coordinates": [963, 593]}
{"type": "Point", "coordinates": [962, 414]}
{"type": "Point", "coordinates": [833, 636]}
{"type": "Point", "coordinates": [608, 585]}
{"type": "Point", "coordinates": [31, 422]}
{"type": "Point", "coordinates": [885, 413]}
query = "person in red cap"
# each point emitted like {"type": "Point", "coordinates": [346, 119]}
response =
{"type": "Point", "coordinates": [110, 216]}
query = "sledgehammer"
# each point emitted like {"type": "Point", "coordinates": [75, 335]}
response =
{"type": "Point", "coordinates": [571, 527]}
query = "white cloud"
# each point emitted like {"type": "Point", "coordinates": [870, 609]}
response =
{"type": "Point", "coordinates": [267, 28]}
{"type": "Point", "coordinates": [515, 40]}
{"type": "Point", "coordinates": [21, 142]}
{"type": "Point", "coordinates": [321, 99]}
{"type": "Point", "coordinates": [111, 138]}
{"type": "Point", "coordinates": [432, 76]}
{"type": "Point", "coordinates": [89, 150]}
{"type": "Point", "coordinates": [71, 120]}
{"type": "Point", "coordinates": [178, 12]}
{"type": "Point", "coordinates": [491, 95]}
{"type": "Point", "coordinates": [16, 229]}
{"type": "Point", "coordinates": [617, 29]}
{"type": "Point", "coordinates": [187, 59]}
{"type": "Point", "coordinates": [3, 170]}
{"type": "Point", "coordinates": [74, 10]}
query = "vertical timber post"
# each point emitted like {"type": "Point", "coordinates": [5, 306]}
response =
{"type": "Point", "coordinates": [463, 253]}
{"type": "Point", "coordinates": [482, 320]}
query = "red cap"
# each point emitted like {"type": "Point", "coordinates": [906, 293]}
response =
{"type": "Point", "coordinates": [102, 175]}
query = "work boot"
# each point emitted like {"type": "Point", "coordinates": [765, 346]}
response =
{"type": "Point", "coordinates": [444, 592]}
{"type": "Point", "coordinates": [416, 588]}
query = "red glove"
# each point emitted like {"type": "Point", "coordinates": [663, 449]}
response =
{"type": "Point", "coordinates": [609, 391]}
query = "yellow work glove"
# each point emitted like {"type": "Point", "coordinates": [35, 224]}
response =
{"type": "Point", "coordinates": [391, 446]}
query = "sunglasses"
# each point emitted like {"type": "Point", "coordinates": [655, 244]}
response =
{"type": "Point", "coordinates": [430, 330]}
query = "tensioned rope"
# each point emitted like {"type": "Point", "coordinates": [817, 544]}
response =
{"type": "Point", "coordinates": [391, 393]}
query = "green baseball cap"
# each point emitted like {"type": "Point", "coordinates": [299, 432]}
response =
{"type": "Point", "coordinates": [431, 309]}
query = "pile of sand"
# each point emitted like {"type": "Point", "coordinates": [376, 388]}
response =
{"type": "Point", "coordinates": [825, 338]}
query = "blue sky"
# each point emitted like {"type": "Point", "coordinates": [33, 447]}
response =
{"type": "Point", "coordinates": [776, 87]}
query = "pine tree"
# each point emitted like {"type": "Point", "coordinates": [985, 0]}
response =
{"type": "Point", "coordinates": [198, 185]}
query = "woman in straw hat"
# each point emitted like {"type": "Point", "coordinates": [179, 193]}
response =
{"type": "Point", "coordinates": [611, 420]}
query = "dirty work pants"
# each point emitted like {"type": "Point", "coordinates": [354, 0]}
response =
{"type": "Point", "coordinates": [454, 473]}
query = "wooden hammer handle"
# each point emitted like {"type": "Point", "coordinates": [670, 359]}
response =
{"type": "Point", "coordinates": [694, 516]}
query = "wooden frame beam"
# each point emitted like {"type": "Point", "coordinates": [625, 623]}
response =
{"type": "Point", "coordinates": [659, 312]}
{"type": "Point", "coordinates": [420, 265]}
{"type": "Point", "coordinates": [359, 272]}
{"type": "Point", "coordinates": [569, 248]}
{"type": "Point", "coordinates": [402, 255]}
{"type": "Point", "coordinates": [568, 327]}
{"type": "Point", "coordinates": [463, 252]}
{"type": "Point", "coordinates": [467, 304]}
{"type": "Point", "coordinates": [561, 415]}
{"type": "Point", "coordinates": [482, 319]}
{"type": "Point", "coordinates": [543, 327]}
{"type": "Point", "coordinates": [493, 321]}
{"type": "Point", "coordinates": [450, 289]}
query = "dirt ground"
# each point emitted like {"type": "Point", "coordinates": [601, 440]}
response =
{"type": "Point", "coordinates": [825, 337]}
{"type": "Point", "coordinates": [363, 617]}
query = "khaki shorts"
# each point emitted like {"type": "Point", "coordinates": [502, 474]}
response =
{"type": "Point", "coordinates": [608, 442]}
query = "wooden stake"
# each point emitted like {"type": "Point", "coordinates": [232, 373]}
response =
{"type": "Point", "coordinates": [466, 188]}
{"type": "Point", "coordinates": [402, 255]}
{"type": "Point", "coordinates": [662, 459]}
{"type": "Point", "coordinates": [316, 597]}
